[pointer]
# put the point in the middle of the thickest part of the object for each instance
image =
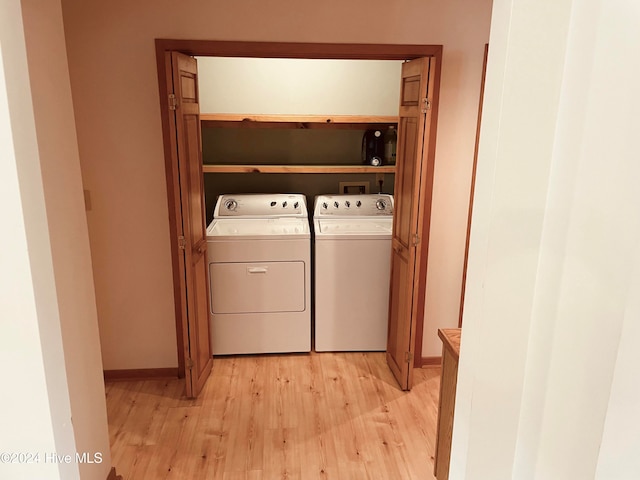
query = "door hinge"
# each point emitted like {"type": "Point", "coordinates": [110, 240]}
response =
{"type": "Point", "coordinates": [408, 356]}
{"type": "Point", "coordinates": [173, 101]}
{"type": "Point", "coordinates": [426, 105]}
{"type": "Point", "coordinates": [189, 363]}
{"type": "Point", "coordinates": [181, 242]}
{"type": "Point", "coordinates": [416, 239]}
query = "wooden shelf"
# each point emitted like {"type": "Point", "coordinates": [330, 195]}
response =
{"type": "Point", "coordinates": [297, 169]}
{"type": "Point", "coordinates": [358, 122]}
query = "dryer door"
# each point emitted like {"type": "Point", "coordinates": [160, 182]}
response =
{"type": "Point", "coordinates": [264, 287]}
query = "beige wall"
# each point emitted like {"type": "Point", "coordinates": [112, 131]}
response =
{"type": "Point", "coordinates": [67, 228]}
{"type": "Point", "coordinates": [54, 402]}
{"type": "Point", "coordinates": [299, 86]}
{"type": "Point", "coordinates": [35, 416]}
{"type": "Point", "coordinates": [114, 83]}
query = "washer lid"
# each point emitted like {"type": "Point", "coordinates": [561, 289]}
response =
{"type": "Point", "coordinates": [261, 205]}
{"type": "Point", "coordinates": [353, 206]}
{"type": "Point", "coordinates": [267, 228]}
{"type": "Point", "coordinates": [356, 228]}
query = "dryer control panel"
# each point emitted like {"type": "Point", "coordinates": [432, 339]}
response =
{"type": "Point", "coordinates": [374, 205]}
{"type": "Point", "coordinates": [260, 205]}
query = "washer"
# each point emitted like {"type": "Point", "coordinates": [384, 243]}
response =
{"type": "Point", "coordinates": [259, 252]}
{"type": "Point", "coordinates": [352, 269]}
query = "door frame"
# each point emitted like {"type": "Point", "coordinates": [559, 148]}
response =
{"type": "Point", "coordinates": [473, 184]}
{"type": "Point", "coordinates": [343, 51]}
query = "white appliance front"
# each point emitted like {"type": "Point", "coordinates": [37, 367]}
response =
{"type": "Point", "coordinates": [259, 267]}
{"type": "Point", "coordinates": [352, 252]}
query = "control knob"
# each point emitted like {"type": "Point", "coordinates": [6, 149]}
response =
{"type": "Point", "coordinates": [230, 204]}
{"type": "Point", "coordinates": [347, 204]}
{"type": "Point", "coordinates": [295, 205]}
{"type": "Point", "coordinates": [284, 204]}
{"type": "Point", "coordinates": [358, 203]}
{"type": "Point", "coordinates": [324, 205]}
{"type": "Point", "coordinates": [381, 204]}
{"type": "Point", "coordinates": [336, 204]}
{"type": "Point", "coordinates": [273, 204]}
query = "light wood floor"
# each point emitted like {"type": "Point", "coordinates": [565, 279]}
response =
{"type": "Point", "coordinates": [300, 416]}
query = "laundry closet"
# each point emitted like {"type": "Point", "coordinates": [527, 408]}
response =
{"type": "Point", "coordinates": [305, 141]}
{"type": "Point", "coordinates": [308, 127]}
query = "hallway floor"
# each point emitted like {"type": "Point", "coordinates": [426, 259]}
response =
{"type": "Point", "coordinates": [299, 416]}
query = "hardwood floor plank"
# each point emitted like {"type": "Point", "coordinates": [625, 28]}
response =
{"type": "Point", "coordinates": [282, 457]}
{"type": "Point", "coordinates": [313, 416]}
{"type": "Point", "coordinates": [246, 435]}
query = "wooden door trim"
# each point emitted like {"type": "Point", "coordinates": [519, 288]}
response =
{"type": "Point", "coordinates": [163, 62]}
{"type": "Point", "coordinates": [426, 196]}
{"type": "Point", "coordinates": [344, 51]}
{"type": "Point", "coordinates": [292, 50]}
{"type": "Point", "coordinates": [473, 185]}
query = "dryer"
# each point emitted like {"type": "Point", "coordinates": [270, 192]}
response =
{"type": "Point", "coordinates": [352, 252]}
{"type": "Point", "coordinates": [259, 255]}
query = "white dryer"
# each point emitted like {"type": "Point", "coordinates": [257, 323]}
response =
{"type": "Point", "coordinates": [352, 253]}
{"type": "Point", "coordinates": [259, 254]}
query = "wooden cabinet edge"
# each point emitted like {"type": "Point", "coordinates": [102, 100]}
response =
{"type": "Point", "coordinates": [325, 119]}
{"type": "Point", "coordinates": [446, 403]}
{"type": "Point", "coordinates": [451, 340]}
{"type": "Point", "coordinates": [356, 122]}
{"type": "Point", "coordinates": [296, 169]}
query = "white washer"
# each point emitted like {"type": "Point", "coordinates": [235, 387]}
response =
{"type": "Point", "coordinates": [352, 269]}
{"type": "Point", "coordinates": [259, 252]}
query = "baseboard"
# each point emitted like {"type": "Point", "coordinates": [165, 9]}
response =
{"type": "Point", "coordinates": [113, 475]}
{"type": "Point", "coordinates": [430, 362]}
{"type": "Point", "coordinates": [140, 374]}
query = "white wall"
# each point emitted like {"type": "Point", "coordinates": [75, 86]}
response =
{"type": "Point", "coordinates": [36, 417]}
{"type": "Point", "coordinates": [299, 86]}
{"type": "Point", "coordinates": [618, 456]}
{"type": "Point", "coordinates": [67, 228]}
{"type": "Point", "coordinates": [545, 372]}
{"type": "Point", "coordinates": [114, 82]}
{"type": "Point", "coordinates": [49, 341]}
{"type": "Point", "coordinates": [26, 414]}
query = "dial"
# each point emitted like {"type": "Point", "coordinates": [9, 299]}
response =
{"type": "Point", "coordinates": [284, 204]}
{"type": "Point", "coordinates": [273, 204]}
{"type": "Point", "coordinates": [295, 205]}
{"type": "Point", "coordinates": [358, 204]}
{"type": "Point", "coordinates": [324, 205]}
{"type": "Point", "coordinates": [230, 204]}
{"type": "Point", "coordinates": [347, 204]}
{"type": "Point", "coordinates": [336, 204]}
{"type": "Point", "coordinates": [381, 204]}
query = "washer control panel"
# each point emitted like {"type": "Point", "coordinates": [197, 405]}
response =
{"type": "Point", "coordinates": [260, 205]}
{"type": "Point", "coordinates": [372, 205]}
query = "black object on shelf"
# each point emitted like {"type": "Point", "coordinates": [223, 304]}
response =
{"type": "Point", "coordinates": [373, 148]}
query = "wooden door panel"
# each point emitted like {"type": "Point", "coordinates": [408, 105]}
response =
{"type": "Point", "coordinates": [398, 312]}
{"type": "Point", "coordinates": [202, 355]}
{"type": "Point", "coordinates": [405, 187]}
{"type": "Point", "coordinates": [189, 88]}
{"type": "Point", "coordinates": [192, 130]}
{"type": "Point", "coordinates": [410, 91]}
{"type": "Point", "coordinates": [198, 359]}
{"type": "Point", "coordinates": [411, 179]}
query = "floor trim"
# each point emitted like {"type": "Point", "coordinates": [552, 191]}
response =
{"type": "Point", "coordinates": [430, 362]}
{"type": "Point", "coordinates": [113, 475]}
{"type": "Point", "coordinates": [139, 374]}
